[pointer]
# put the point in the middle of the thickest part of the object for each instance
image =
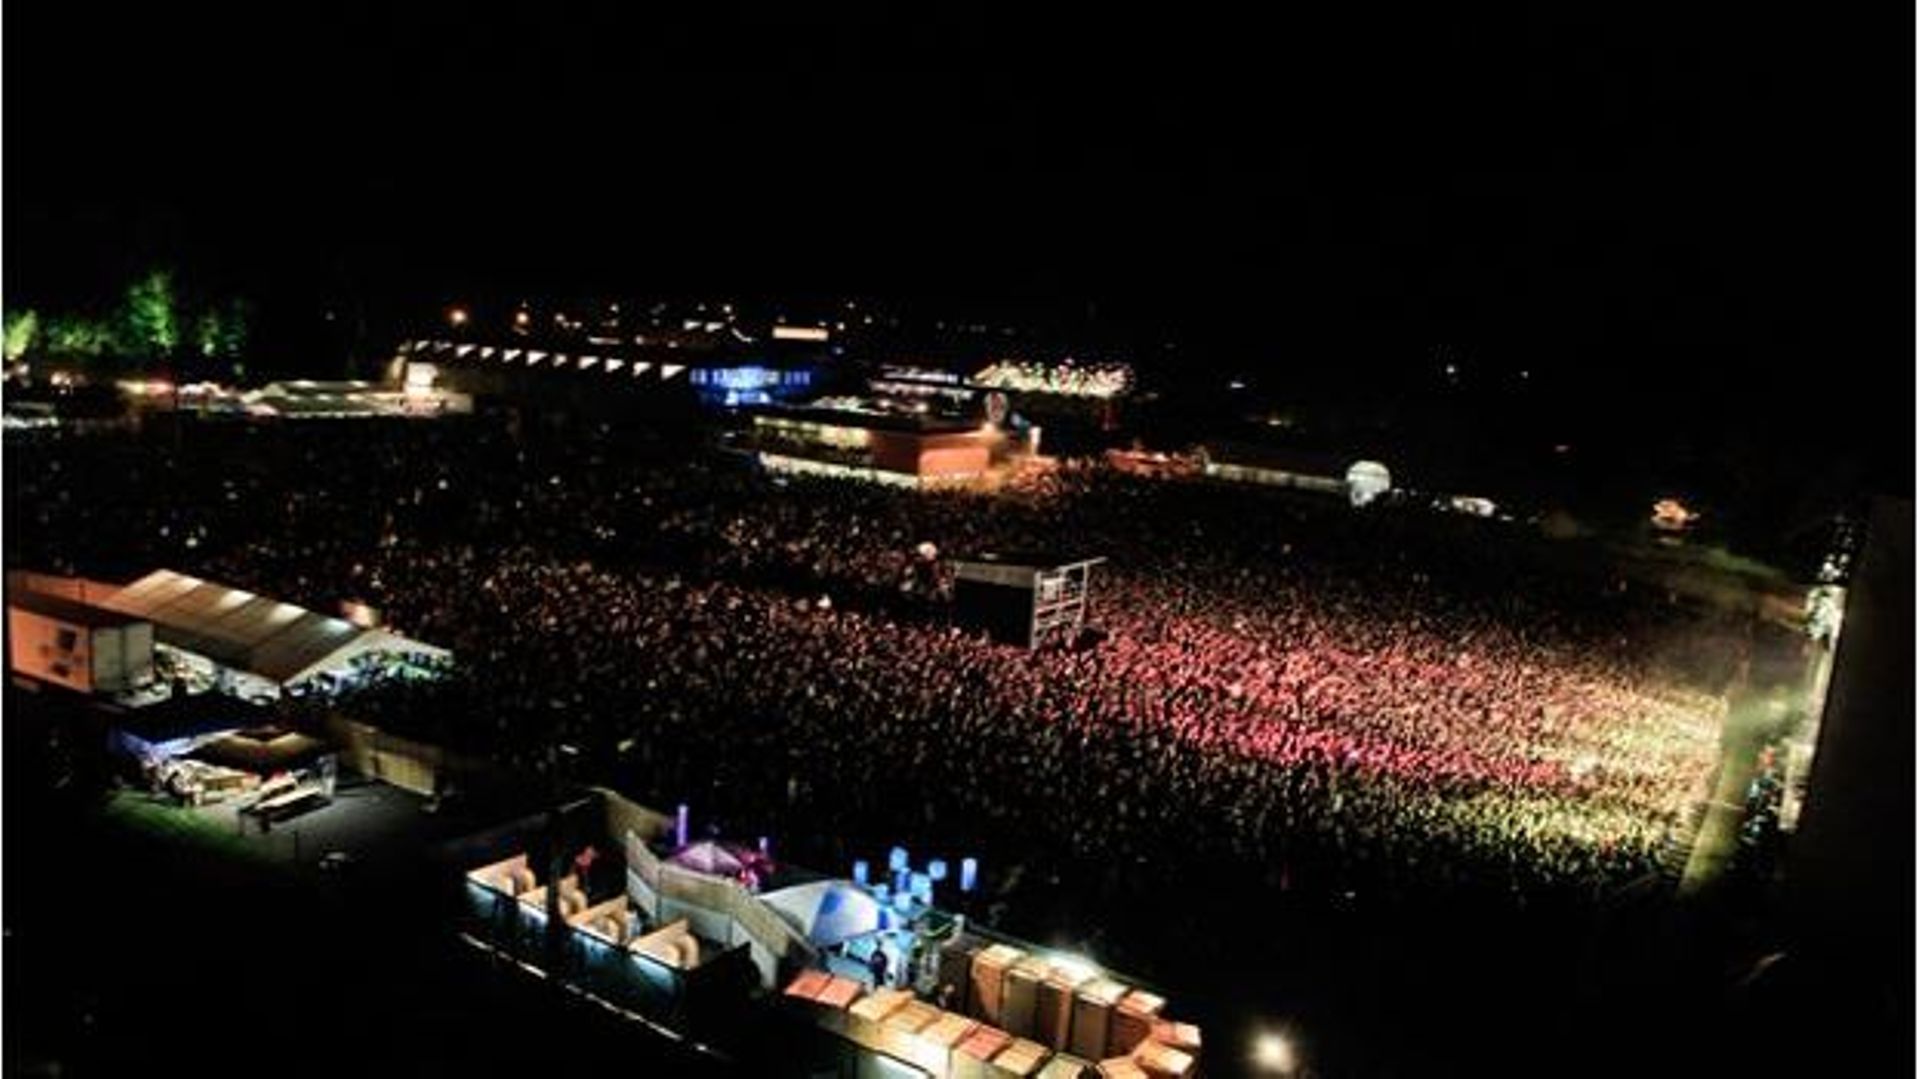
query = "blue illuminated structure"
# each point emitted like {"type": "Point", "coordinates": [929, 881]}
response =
{"type": "Point", "coordinates": [750, 384]}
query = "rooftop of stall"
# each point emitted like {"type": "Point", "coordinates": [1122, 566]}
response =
{"type": "Point", "coordinates": [275, 642]}
{"type": "Point", "coordinates": [263, 749]}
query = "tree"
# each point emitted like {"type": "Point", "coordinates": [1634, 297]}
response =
{"type": "Point", "coordinates": [21, 327]}
{"type": "Point", "coordinates": [152, 321]}
{"type": "Point", "coordinates": [208, 333]}
{"type": "Point", "coordinates": [233, 327]}
{"type": "Point", "coordinates": [221, 332]}
{"type": "Point", "coordinates": [76, 337]}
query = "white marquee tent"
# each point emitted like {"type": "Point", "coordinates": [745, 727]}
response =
{"type": "Point", "coordinates": [276, 642]}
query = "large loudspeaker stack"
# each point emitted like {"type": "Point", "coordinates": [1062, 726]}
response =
{"type": "Point", "coordinates": [1004, 611]}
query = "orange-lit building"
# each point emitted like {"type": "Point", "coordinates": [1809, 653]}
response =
{"type": "Point", "coordinates": [66, 642]}
{"type": "Point", "coordinates": [881, 446]}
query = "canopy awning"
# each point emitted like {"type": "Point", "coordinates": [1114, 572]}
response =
{"type": "Point", "coordinates": [826, 912]}
{"type": "Point", "coordinates": [279, 642]}
{"type": "Point", "coordinates": [707, 856]}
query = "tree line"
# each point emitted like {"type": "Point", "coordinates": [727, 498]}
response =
{"type": "Point", "coordinates": [157, 323]}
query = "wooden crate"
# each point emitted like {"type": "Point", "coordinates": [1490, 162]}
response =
{"type": "Point", "coordinates": [1133, 1021]}
{"type": "Point", "coordinates": [984, 994]}
{"type": "Point", "coordinates": [1093, 1005]}
{"type": "Point", "coordinates": [1020, 997]}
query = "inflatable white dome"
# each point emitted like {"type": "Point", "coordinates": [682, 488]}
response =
{"type": "Point", "coordinates": [1367, 480]}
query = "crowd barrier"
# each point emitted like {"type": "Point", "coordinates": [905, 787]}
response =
{"type": "Point", "coordinates": [403, 762]}
{"type": "Point", "coordinates": [1099, 1027]}
{"type": "Point", "coordinates": [719, 909]}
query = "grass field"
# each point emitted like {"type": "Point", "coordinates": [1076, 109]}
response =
{"type": "Point", "coordinates": [159, 817]}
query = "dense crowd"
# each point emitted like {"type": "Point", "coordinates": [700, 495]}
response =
{"type": "Point", "coordinates": [1339, 701]}
{"type": "Point", "coordinates": [1066, 377]}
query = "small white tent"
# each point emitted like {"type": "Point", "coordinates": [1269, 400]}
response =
{"type": "Point", "coordinates": [1366, 481]}
{"type": "Point", "coordinates": [826, 912]}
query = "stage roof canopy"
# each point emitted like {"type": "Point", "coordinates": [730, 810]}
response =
{"type": "Point", "coordinates": [277, 641]}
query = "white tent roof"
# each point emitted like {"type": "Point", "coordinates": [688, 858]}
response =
{"type": "Point", "coordinates": [235, 628]}
{"type": "Point", "coordinates": [826, 912]}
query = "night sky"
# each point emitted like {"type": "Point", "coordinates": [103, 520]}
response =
{"type": "Point", "coordinates": [1703, 214]}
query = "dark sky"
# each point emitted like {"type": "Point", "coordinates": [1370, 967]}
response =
{"type": "Point", "coordinates": [1718, 201]}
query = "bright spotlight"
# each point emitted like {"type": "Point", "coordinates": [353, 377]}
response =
{"type": "Point", "coordinates": [1273, 1054]}
{"type": "Point", "coordinates": [457, 316]}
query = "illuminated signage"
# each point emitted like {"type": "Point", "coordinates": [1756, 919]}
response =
{"type": "Point", "coordinates": [799, 333]}
{"type": "Point", "coordinates": [420, 378]}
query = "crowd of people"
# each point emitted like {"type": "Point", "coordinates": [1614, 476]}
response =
{"type": "Point", "coordinates": [1066, 378]}
{"type": "Point", "coordinates": [1338, 701]}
